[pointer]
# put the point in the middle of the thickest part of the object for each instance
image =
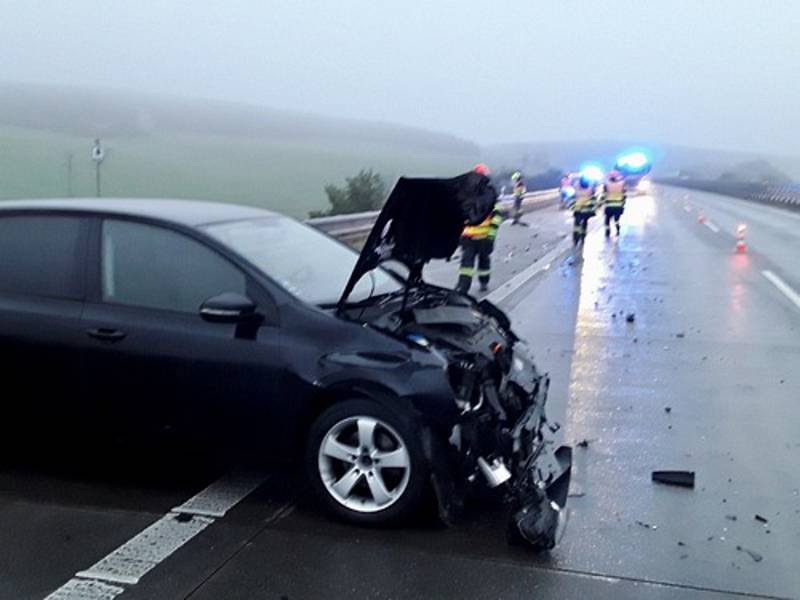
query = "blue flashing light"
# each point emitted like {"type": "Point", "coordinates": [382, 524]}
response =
{"type": "Point", "coordinates": [634, 162]}
{"type": "Point", "coordinates": [593, 173]}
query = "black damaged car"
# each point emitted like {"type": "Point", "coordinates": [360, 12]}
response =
{"type": "Point", "coordinates": [222, 323]}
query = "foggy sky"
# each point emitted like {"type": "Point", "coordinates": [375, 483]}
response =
{"type": "Point", "coordinates": [712, 73]}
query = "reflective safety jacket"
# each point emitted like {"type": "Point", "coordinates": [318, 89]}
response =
{"type": "Point", "coordinates": [615, 194]}
{"type": "Point", "coordinates": [519, 189]}
{"type": "Point", "coordinates": [585, 201]}
{"type": "Point", "coordinates": [486, 229]}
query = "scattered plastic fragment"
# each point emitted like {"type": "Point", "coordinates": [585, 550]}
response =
{"type": "Point", "coordinates": [680, 335]}
{"type": "Point", "coordinates": [646, 525]}
{"type": "Point", "coordinates": [679, 478]}
{"type": "Point", "coordinates": [730, 517]}
{"type": "Point", "coordinates": [667, 409]}
{"type": "Point", "coordinates": [583, 443]}
{"type": "Point", "coordinates": [761, 519]}
{"type": "Point", "coordinates": [630, 318]}
{"type": "Point", "coordinates": [681, 543]}
{"type": "Point", "coordinates": [753, 554]}
{"type": "Point", "coordinates": [683, 556]}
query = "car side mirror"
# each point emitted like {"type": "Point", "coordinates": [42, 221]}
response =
{"type": "Point", "coordinates": [229, 307]}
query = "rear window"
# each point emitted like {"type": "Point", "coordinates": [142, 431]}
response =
{"type": "Point", "coordinates": [41, 256]}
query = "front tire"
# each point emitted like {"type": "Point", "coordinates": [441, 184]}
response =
{"type": "Point", "coordinates": [365, 463]}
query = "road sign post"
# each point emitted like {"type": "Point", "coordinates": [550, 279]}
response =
{"type": "Point", "coordinates": [98, 154]}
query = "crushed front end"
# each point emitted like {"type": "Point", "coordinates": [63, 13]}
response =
{"type": "Point", "coordinates": [500, 437]}
{"type": "Point", "coordinates": [504, 441]}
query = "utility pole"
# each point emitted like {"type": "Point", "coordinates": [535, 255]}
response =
{"type": "Point", "coordinates": [98, 154]}
{"type": "Point", "coordinates": [69, 174]}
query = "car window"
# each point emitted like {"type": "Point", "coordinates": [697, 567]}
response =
{"type": "Point", "coordinates": [41, 256]}
{"type": "Point", "coordinates": [307, 263]}
{"type": "Point", "coordinates": [153, 267]}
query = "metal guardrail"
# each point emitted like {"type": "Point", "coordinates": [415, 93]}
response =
{"type": "Point", "coordinates": [785, 196]}
{"type": "Point", "coordinates": [356, 225]}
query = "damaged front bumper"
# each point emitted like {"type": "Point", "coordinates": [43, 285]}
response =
{"type": "Point", "coordinates": [519, 461]}
{"type": "Point", "coordinates": [538, 492]}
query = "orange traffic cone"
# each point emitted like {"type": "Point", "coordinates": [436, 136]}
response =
{"type": "Point", "coordinates": [701, 217]}
{"type": "Point", "coordinates": [741, 245]}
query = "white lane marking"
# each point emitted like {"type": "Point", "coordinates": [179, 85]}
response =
{"type": "Point", "coordinates": [222, 495]}
{"type": "Point", "coordinates": [136, 557]}
{"type": "Point", "coordinates": [784, 287]}
{"type": "Point", "coordinates": [543, 264]}
{"type": "Point", "coordinates": [81, 589]}
{"type": "Point", "coordinates": [711, 226]}
{"type": "Point", "coordinates": [131, 561]}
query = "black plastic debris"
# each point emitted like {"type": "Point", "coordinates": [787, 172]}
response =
{"type": "Point", "coordinates": [183, 517]}
{"type": "Point", "coordinates": [753, 554]}
{"type": "Point", "coordinates": [583, 444]}
{"type": "Point", "coordinates": [646, 525]}
{"type": "Point", "coordinates": [761, 519]}
{"type": "Point", "coordinates": [630, 317]}
{"type": "Point", "coordinates": [678, 478]}
{"type": "Point", "coordinates": [667, 409]}
{"type": "Point", "coordinates": [730, 517]}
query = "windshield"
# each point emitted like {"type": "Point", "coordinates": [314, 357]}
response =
{"type": "Point", "coordinates": [307, 263]}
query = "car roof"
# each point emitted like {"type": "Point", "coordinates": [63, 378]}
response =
{"type": "Point", "coordinates": [192, 213]}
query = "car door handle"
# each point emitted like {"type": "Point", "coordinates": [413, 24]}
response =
{"type": "Point", "coordinates": [107, 335]}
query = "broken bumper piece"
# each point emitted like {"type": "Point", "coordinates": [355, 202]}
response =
{"type": "Point", "coordinates": [539, 499]}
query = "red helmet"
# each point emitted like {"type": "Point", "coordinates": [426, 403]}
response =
{"type": "Point", "coordinates": [614, 175]}
{"type": "Point", "coordinates": [481, 169]}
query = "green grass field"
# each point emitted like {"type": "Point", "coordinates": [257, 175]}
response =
{"type": "Point", "coordinates": [279, 174]}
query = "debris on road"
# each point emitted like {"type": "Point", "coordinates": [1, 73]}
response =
{"type": "Point", "coordinates": [680, 335]}
{"type": "Point", "coordinates": [646, 525]}
{"type": "Point", "coordinates": [761, 519]}
{"type": "Point", "coordinates": [584, 443]}
{"type": "Point", "coordinates": [667, 409]}
{"type": "Point", "coordinates": [753, 554]}
{"type": "Point", "coordinates": [730, 517]}
{"type": "Point", "coordinates": [678, 478]}
{"type": "Point", "coordinates": [630, 318]}
{"type": "Point", "coordinates": [680, 543]}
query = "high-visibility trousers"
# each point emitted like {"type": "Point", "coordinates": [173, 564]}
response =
{"type": "Point", "coordinates": [472, 249]}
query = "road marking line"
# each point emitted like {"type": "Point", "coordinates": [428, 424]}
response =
{"type": "Point", "coordinates": [144, 551]}
{"type": "Point", "coordinates": [711, 226]}
{"type": "Point", "coordinates": [543, 264]}
{"type": "Point", "coordinates": [222, 495]}
{"type": "Point", "coordinates": [783, 287]}
{"type": "Point", "coordinates": [136, 557]}
{"type": "Point", "coordinates": [82, 589]}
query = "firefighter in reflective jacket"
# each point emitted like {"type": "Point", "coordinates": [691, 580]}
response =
{"type": "Point", "coordinates": [477, 241]}
{"type": "Point", "coordinates": [583, 208]}
{"type": "Point", "coordinates": [615, 199]}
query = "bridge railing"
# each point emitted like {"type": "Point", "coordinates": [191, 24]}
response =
{"type": "Point", "coordinates": [786, 196]}
{"type": "Point", "coordinates": [355, 226]}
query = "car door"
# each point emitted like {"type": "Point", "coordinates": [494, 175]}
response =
{"type": "Point", "coordinates": [155, 365]}
{"type": "Point", "coordinates": [42, 283]}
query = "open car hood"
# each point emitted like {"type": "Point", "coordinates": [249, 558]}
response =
{"type": "Point", "coordinates": [421, 220]}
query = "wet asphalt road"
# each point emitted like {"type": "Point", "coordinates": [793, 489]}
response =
{"type": "Point", "coordinates": [713, 341]}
